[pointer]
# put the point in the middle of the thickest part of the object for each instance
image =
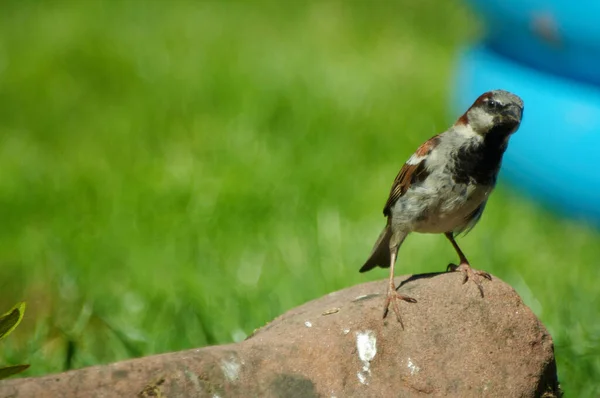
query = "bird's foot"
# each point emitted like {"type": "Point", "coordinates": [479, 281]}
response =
{"type": "Point", "coordinates": [392, 298]}
{"type": "Point", "coordinates": [470, 273]}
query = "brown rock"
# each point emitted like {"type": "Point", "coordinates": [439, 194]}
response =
{"type": "Point", "coordinates": [455, 343]}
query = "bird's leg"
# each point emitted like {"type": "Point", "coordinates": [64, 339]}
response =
{"type": "Point", "coordinates": [465, 267]}
{"type": "Point", "coordinates": [392, 295]}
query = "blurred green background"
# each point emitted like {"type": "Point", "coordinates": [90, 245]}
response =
{"type": "Point", "coordinates": [176, 174]}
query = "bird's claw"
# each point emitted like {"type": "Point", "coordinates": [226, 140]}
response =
{"type": "Point", "coordinates": [470, 273]}
{"type": "Point", "coordinates": [392, 298]}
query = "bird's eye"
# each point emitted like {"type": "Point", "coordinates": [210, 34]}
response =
{"type": "Point", "coordinates": [493, 104]}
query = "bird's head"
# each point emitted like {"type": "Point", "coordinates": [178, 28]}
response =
{"type": "Point", "coordinates": [496, 112]}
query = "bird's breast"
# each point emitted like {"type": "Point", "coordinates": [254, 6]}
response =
{"type": "Point", "coordinates": [440, 205]}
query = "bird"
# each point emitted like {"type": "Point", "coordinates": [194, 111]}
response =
{"type": "Point", "coordinates": [444, 186]}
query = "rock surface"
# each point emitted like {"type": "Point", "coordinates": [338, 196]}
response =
{"type": "Point", "coordinates": [455, 343]}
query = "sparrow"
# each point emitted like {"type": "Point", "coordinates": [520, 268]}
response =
{"type": "Point", "coordinates": [444, 186]}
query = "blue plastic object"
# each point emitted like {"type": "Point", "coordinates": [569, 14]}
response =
{"type": "Point", "coordinates": [555, 155]}
{"type": "Point", "coordinates": [558, 36]}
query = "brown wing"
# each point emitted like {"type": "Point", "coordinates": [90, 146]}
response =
{"type": "Point", "coordinates": [413, 171]}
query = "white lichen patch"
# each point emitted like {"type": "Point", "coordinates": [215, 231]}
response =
{"type": "Point", "coordinates": [308, 324]}
{"type": "Point", "coordinates": [414, 369]}
{"type": "Point", "coordinates": [366, 344]}
{"type": "Point", "coordinates": [362, 378]}
{"type": "Point", "coordinates": [231, 369]}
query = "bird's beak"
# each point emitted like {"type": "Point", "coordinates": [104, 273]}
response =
{"type": "Point", "coordinates": [513, 113]}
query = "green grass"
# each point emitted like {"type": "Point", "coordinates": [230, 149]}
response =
{"type": "Point", "coordinates": [178, 174]}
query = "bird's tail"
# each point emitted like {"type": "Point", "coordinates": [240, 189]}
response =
{"type": "Point", "coordinates": [380, 255]}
